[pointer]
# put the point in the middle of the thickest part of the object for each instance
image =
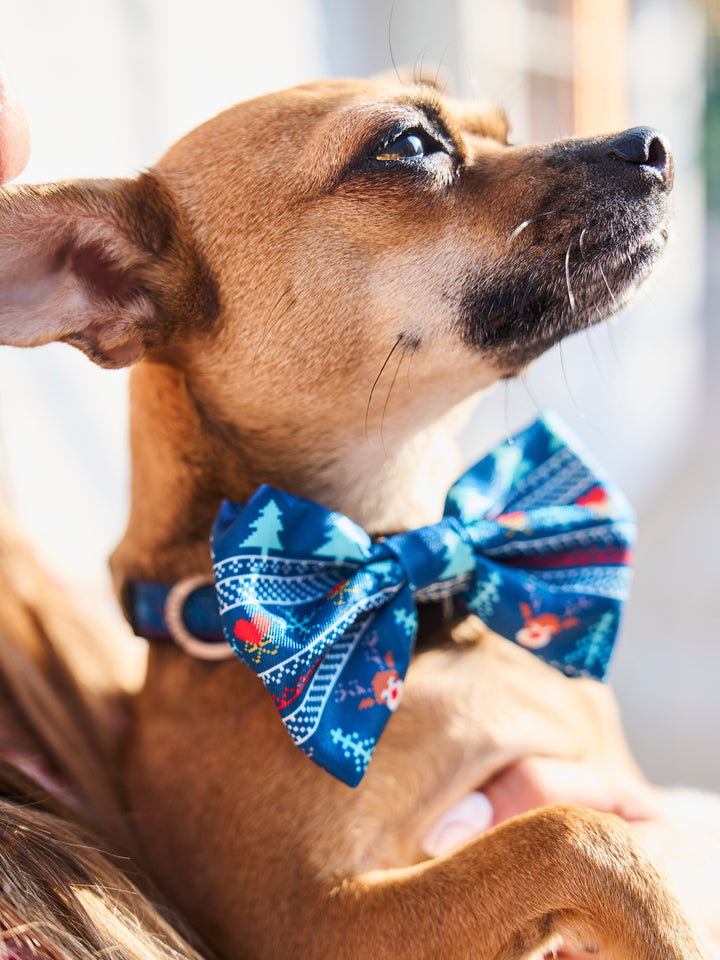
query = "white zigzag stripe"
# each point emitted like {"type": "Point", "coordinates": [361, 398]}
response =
{"type": "Point", "coordinates": [321, 686]}
{"type": "Point", "coordinates": [264, 588]}
{"type": "Point", "coordinates": [317, 563]}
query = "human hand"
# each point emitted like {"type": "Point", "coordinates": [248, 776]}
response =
{"type": "Point", "coordinates": [14, 132]}
{"type": "Point", "coordinates": [539, 781]}
{"type": "Point", "coordinates": [534, 782]}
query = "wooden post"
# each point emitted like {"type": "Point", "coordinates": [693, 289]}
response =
{"type": "Point", "coordinates": [600, 29]}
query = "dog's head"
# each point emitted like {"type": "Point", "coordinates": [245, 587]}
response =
{"type": "Point", "coordinates": [383, 216]}
{"type": "Point", "coordinates": [289, 250]}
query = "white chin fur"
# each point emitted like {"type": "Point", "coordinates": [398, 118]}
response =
{"type": "Point", "coordinates": [464, 822]}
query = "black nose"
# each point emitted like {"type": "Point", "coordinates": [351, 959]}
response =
{"type": "Point", "coordinates": [645, 147]}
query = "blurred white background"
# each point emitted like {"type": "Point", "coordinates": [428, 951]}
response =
{"type": "Point", "coordinates": [108, 84]}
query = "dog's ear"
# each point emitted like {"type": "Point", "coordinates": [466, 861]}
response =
{"type": "Point", "coordinates": [106, 265]}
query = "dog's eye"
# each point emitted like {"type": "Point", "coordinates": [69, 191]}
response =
{"type": "Point", "coordinates": [408, 146]}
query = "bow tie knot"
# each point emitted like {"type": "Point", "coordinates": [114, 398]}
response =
{"type": "Point", "coordinates": [435, 559]}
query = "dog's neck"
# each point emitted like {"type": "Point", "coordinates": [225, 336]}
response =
{"type": "Point", "coordinates": [186, 460]}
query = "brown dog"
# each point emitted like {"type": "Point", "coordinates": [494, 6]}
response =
{"type": "Point", "coordinates": [315, 282]}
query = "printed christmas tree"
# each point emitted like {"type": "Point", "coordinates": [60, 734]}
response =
{"type": "Point", "coordinates": [511, 468]}
{"type": "Point", "coordinates": [341, 544]}
{"type": "Point", "coordinates": [458, 556]}
{"type": "Point", "coordinates": [471, 503]}
{"type": "Point", "coordinates": [265, 529]}
{"type": "Point", "coordinates": [594, 649]}
{"type": "Point", "coordinates": [486, 595]}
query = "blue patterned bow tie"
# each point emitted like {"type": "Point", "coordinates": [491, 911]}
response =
{"type": "Point", "coordinates": [532, 541]}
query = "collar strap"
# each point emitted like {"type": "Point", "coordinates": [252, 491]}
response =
{"type": "Point", "coordinates": [187, 615]}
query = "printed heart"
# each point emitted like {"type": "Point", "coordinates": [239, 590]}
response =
{"type": "Point", "coordinates": [252, 632]}
{"type": "Point", "coordinates": [595, 497]}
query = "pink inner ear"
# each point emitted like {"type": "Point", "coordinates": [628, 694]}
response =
{"type": "Point", "coordinates": [72, 277]}
{"type": "Point", "coordinates": [92, 265]}
{"type": "Point", "coordinates": [106, 265]}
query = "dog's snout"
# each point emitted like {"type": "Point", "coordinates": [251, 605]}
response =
{"type": "Point", "coordinates": [645, 147]}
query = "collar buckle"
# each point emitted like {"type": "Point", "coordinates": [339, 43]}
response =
{"type": "Point", "coordinates": [174, 604]}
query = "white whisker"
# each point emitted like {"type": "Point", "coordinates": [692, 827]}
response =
{"type": "Point", "coordinates": [567, 382]}
{"type": "Point", "coordinates": [602, 274]}
{"type": "Point", "coordinates": [523, 380]}
{"type": "Point", "coordinates": [580, 240]}
{"type": "Point", "coordinates": [571, 298]}
{"type": "Point", "coordinates": [519, 230]}
{"type": "Point", "coordinates": [516, 231]}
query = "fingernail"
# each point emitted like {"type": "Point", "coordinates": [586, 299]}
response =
{"type": "Point", "coordinates": [458, 825]}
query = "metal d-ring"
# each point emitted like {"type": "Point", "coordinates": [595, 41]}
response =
{"type": "Point", "coordinates": [174, 605]}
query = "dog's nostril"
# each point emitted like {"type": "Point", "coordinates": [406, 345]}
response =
{"type": "Point", "coordinates": [657, 154]}
{"type": "Point", "coordinates": [645, 147]}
